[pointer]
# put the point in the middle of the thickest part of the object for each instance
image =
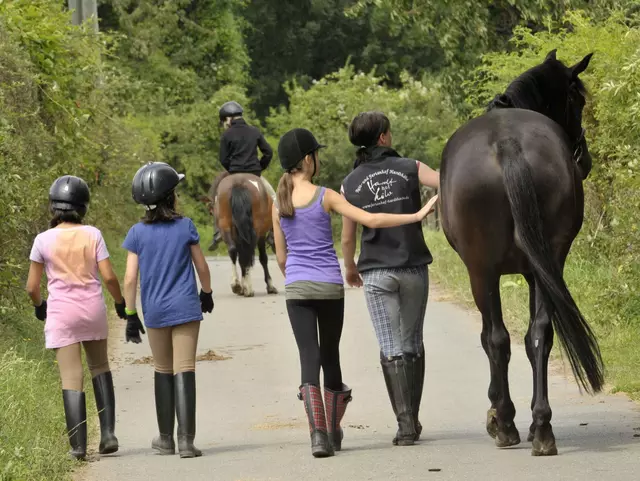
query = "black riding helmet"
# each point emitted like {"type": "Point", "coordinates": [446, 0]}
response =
{"type": "Point", "coordinates": [154, 182]}
{"type": "Point", "coordinates": [294, 146]}
{"type": "Point", "coordinates": [230, 109]}
{"type": "Point", "coordinates": [69, 193]}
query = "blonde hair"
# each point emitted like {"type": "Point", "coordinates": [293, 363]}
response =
{"type": "Point", "coordinates": [285, 188]}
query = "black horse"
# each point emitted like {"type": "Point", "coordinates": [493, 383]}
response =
{"type": "Point", "coordinates": [513, 202]}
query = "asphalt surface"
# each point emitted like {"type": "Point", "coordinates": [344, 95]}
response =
{"type": "Point", "coordinates": [252, 427]}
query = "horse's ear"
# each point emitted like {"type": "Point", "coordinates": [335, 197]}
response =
{"type": "Point", "coordinates": [581, 66]}
{"type": "Point", "coordinates": [551, 55]}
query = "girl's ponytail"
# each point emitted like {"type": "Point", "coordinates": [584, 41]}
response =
{"type": "Point", "coordinates": [363, 154]}
{"type": "Point", "coordinates": [285, 189]}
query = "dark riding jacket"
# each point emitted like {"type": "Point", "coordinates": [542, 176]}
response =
{"type": "Point", "coordinates": [238, 149]}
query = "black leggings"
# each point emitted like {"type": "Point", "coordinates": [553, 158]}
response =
{"type": "Point", "coordinates": [308, 319]}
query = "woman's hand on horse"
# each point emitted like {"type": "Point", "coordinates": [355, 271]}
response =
{"type": "Point", "coordinates": [428, 208]}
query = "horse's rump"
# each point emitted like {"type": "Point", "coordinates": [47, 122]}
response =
{"type": "Point", "coordinates": [260, 202]}
{"type": "Point", "coordinates": [474, 199]}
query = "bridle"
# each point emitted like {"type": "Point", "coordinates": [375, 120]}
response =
{"type": "Point", "coordinates": [577, 147]}
{"type": "Point", "coordinates": [578, 150]}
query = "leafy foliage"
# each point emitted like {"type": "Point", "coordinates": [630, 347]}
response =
{"type": "Point", "coordinates": [421, 117]}
{"type": "Point", "coordinates": [56, 117]}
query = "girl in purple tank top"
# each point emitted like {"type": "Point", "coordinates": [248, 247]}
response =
{"type": "Point", "coordinates": [313, 280]}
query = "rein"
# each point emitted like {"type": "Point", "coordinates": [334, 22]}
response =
{"type": "Point", "coordinates": [577, 147]}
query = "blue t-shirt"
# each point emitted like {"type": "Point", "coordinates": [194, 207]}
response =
{"type": "Point", "coordinates": [168, 288]}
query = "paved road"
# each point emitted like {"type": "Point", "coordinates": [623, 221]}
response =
{"type": "Point", "coordinates": [252, 427]}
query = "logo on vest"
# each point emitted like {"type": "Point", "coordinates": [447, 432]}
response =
{"type": "Point", "coordinates": [381, 185]}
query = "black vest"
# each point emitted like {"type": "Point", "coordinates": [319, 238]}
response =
{"type": "Point", "coordinates": [388, 183]}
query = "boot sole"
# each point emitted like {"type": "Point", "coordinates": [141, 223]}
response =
{"type": "Point", "coordinates": [322, 454]}
{"type": "Point", "coordinates": [109, 447]}
{"type": "Point", "coordinates": [109, 450]}
{"type": "Point", "coordinates": [188, 455]}
{"type": "Point", "coordinates": [404, 442]}
{"type": "Point", "coordinates": [164, 451]}
{"type": "Point", "coordinates": [78, 457]}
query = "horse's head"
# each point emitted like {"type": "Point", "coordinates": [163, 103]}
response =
{"type": "Point", "coordinates": [554, 90]}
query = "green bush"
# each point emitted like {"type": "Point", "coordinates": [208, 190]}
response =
{"type": "Point", "coordinates": [56, 117]}
{"type": "Point", "coordinates": [421, 114]}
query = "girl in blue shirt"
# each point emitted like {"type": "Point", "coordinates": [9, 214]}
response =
{"type": "Point", "coordinates": [163, 248]}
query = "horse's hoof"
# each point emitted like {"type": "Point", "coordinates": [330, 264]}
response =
{"type": "Point", "coordinates": [248, 294]}
{"type": "Point", "coordinates": [549, 449]}
{"type": "Point", "coordinates": [544, 442]}
{"type": "Point", "coordinates": [492, 423]}
{"type": "Point", "coordinates": [272, 290]}
{"type": "Point", "coordinates": [236, 289]}
{"type": "Point", "coordinates": [507, 438]}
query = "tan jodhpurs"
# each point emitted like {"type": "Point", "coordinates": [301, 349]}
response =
{"type": "Point", "coordinates": [174, 348]}
{"type": "Point", "coordinates": [70, 362]}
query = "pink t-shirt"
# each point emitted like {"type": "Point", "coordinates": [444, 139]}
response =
{"type": "Point", "coordinates": [76, 311]}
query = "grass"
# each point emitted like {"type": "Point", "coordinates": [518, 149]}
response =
{"type": "Point", "coordinates": [598, 287]}
{"type": "Point", "coordinates": [33, 441]}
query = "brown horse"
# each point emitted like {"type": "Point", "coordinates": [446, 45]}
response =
{"type": "Point", "coordinates": [512, 203]}
{"type": "Point", "coordinates": [242, 209]}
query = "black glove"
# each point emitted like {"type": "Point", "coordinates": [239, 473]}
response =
{"type": "Point", "coordinates": [206, 301]}
{"type": "Point", "coordinates": [120, 309]}
{"type": "Point", "coordinates": [134, 328]}
{"type": "Point", "coordinates": [41, 310]}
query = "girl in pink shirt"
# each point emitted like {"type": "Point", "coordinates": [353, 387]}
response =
{"type": "Point", "coordinates": [75, 314]}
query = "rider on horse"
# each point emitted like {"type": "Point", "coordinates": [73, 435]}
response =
{"type": "Point", "coordinates": [238, 155]}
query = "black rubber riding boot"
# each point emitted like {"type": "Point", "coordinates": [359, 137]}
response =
{"type": "Point", "coordinates": [418, 385]}
{"type": "Point", "coordinates": [106, 404]}
{"type": "Point", "coordinates": [397, 376]}
{"type": "Point", "coordinates": [336, 404]}
{"type": "Point", "coordinates": [165, 413]}
{"type": "Point", "coordinates": [217, 238]}
{"type": "Point", "coordinates": [185, 396]}
{"type": "Point", "coordinates": [311, 395]}
{"type": "Point", "coordinates": [75, 412]}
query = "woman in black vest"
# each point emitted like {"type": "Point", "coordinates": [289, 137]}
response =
{"type": "Point", "coordinates": [393, 262]}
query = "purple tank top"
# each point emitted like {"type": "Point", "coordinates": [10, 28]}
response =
{"type": "Point", "coordinates": [311, 255]}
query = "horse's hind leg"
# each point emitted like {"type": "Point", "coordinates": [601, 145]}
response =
{"type": "Point", "coordinates": [264, 259]}
{"type": "Point", "coordinates": [236, 287]}
{"type": "Point", "coordinates": [497, 345]}
{"type": "Point", "coordinates": [247, 285]}
{"type": "Point", "coordinates": [528, 343]}
{"type": "Point", "coordinates": [541, 338]}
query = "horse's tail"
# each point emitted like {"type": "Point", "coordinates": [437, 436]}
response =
{"type": "Point", "coordinates": [575, 334]}
{"type": "Point", "coordinates": [244, 233]}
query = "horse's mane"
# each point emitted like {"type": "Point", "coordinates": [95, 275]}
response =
{"type": "Point", "coordinates": [543, 88]}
